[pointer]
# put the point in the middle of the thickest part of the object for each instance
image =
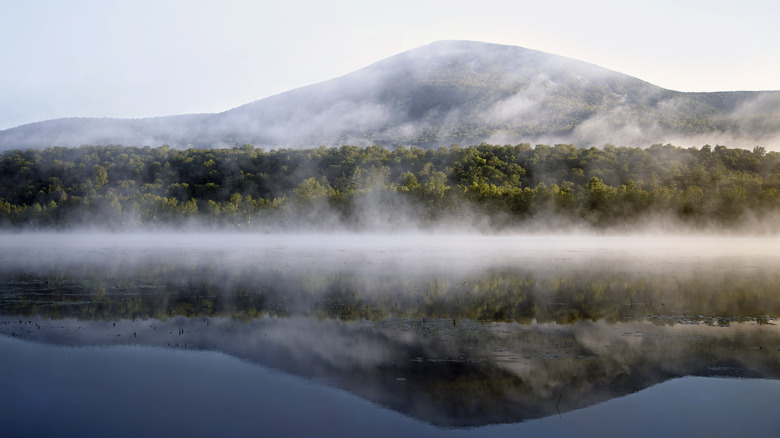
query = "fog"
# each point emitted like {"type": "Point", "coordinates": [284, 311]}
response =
{"type": "Point", "coordinates": [390, 254]}
{"type": "Point", "coordinates": [446, 314]}
{"type": "Point", "coordinates": [450, 92]}
{"type": "Point", "coordinates": [458, 313]}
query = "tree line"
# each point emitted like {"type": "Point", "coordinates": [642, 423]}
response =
{"type": "Point", "coordinates": [360, 188]}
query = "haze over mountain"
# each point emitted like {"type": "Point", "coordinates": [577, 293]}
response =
{"type": "Point", "coordinates": [449, 92]}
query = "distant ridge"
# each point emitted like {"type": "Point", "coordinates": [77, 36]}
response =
{"type": "Point", "coordinates": [448, 92]}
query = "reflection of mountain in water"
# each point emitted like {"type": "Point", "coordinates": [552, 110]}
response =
{"type": "Point", "coordinates": [465, 375]}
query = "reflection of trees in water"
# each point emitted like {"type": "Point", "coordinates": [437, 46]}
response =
{"type": "Point", "coordinates": [160, 291]}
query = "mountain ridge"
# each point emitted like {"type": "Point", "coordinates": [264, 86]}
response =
{"type": "Point", "coordinates": [442, 93]}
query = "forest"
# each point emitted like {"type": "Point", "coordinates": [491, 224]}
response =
{"type": "Point", "coordinates": [482, 187]}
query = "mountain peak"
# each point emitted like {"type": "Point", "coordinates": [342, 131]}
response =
{"type": "Point", "coordinates": [449, 91]}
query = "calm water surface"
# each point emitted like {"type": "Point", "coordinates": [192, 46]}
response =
{"type": "Point", "coordinates": [424, 335]}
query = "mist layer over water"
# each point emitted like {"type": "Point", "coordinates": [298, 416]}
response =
{"type": "Point", "coordinates": [352, 276]}
{"type": "Point", "coordinates": [456, 251]}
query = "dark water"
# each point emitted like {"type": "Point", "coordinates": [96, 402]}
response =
{"type": "Point", "coordinates": [351, 335]}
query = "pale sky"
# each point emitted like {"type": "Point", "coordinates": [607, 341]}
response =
{"type": "Point", "coordinates": [140, 58]}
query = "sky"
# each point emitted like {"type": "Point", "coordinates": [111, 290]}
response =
{"type": "Point", "coordinates": [132, 59]}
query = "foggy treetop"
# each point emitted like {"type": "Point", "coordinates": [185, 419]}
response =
{"type": "Point", "coordinates": [483, 186]}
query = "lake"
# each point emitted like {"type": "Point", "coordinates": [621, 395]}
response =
{"type": "Point", "coordinates": [384, 335]}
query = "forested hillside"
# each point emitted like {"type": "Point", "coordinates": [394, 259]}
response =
{"type": "Point", "coordinates": [486, 187]}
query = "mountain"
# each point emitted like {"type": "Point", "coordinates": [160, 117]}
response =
{"type": "Point", "coordinates": [449, 92]}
